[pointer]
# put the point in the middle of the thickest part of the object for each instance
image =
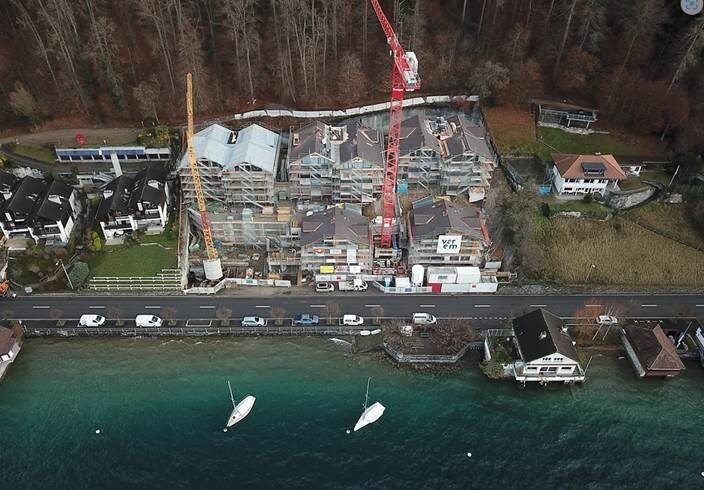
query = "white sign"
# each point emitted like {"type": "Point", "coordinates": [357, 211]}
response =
{"type": "Point", "coordinates": [449, 244]}
{"type": "Point", "coordinates": [351, 255]}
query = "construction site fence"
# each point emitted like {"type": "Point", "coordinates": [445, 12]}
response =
{"type": "Point", "coordinates": [354, 111]}
{"type": "Point", "coordinates": [236, 281]}
{"type": "Point", "coordinates": [425, 358]}
{"type": "Point", "coordinates": [166, 280]}
{"type": "Point", "coordinates": [397, 290]}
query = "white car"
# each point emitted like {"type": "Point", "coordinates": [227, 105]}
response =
{"type": "Point", "coordinates": [148, 321]}
{"type": "Point", "coordinates": [424, 319]}
{"type": "Point", "coordinates": [352, 320]}
{"type": "Point", "coordinates": [91, 321]}
{"type": "Point", "coordinates": [606, 320]}
{"type": "Point", "coordinates": [324, 287]}
{"type": "Point", "coordinates": [253, 321]}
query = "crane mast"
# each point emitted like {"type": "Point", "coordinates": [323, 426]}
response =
{"type": "Point", "coordinates": [212, 266]}
{"type": "Point", "coordinates": [404, 78]}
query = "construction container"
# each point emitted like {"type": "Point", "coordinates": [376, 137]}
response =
{"type": "Point", "coordinates": [468, 275]}
{"type": "Point", "coordinates": [442, 275]}
{"type": "Point", "coordinates": [417, 275]}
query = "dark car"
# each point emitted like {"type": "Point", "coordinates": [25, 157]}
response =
{"type": "Point", "coordinates": [306, 320]}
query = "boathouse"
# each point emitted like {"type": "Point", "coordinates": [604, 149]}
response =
{"type": "Point", "coordinates": [651, 353]}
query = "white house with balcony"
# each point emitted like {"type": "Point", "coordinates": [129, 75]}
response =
{"type": "Point", "coordinates": [577, 175]}
{"type": "Point", "coordinates": [547, 352]}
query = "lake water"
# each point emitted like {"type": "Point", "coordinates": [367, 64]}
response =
{"type": "Point", "coordinates": [160, 406]}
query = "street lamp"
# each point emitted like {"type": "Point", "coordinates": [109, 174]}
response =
{"type": "Point", "coordinates": [589, 272]}
{"type": "Point", "coordinates": [65, 272]}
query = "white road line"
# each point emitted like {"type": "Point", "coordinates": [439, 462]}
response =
{"type": "Point", "coordinates": [538, 306]}
{"type": "Point", "coordinates": [699, 306]}
{"type": "Point", "coordinates": [206, 306]}
{"type": "Point", "coordinates": [372, 306]}
{"type": "Point", "coordinates": [40, 307]}
{"type": "Point", "coordinates": [482, 306]}
{"type": "Point", "coordinates": [262, 306]}
{"type": "Point", "coordinates": [153, 307]}
{"type": "Point", "coordinates": [316, 306]}
{"type": "Point", "coordinates": [592, 305]}
{"type": "Point", "coordinates": [648, 306]}
{"type": "Point", "coordinates": [427, 306]}
{"type": "Point", "coordinates": [97, 307]}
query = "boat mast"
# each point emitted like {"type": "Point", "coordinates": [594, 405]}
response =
{"type": "Point", "coordinates": [231, 397]}
{"type": "Point", "coordinates": [366, 398]}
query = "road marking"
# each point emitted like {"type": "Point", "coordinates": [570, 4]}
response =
{"type": "Point", "coordinates": [648, 306]}
{"type": "Point", "coordinates": [206, 306]}
{"type": "Point", "coordinates": [482, 306]}
{"type": "Point", "coordinates": [262, 306]}
{"type": "Point", "coordinates": [97, 307]}
{"type": "Point", "coordinates": [699, 306]}
{"type": "Point", "coordinates": [316, 306]}
{"type": "Point", "coordinates": [427, 306]}
{"type": "Point", "coordinates": [40, 307]}
{"type": "Point", "coordinates": [592, 305]}
{"type": "Point", "coordinates": [373, 306]}
{"type": "Point", "coordinates": [153, 307]}
{"type": "Point", "coordinates": [538, 306]}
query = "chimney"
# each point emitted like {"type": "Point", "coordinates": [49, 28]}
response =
{"type": "Point", "coordinates": [115, 164]}
{"type": "Point", "coordinates": [543, 335]}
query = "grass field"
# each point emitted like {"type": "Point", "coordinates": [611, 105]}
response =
{"type": "Point", "coordinates": [136, 260]}
{"type": "Point", "coordinates": [592, 209]}
{"type": "Point", "coordinates": [42, 153]}
{"type": "Point", "coordinates": [618, 144]}
{"type": "Point", "coordinates": [512, 130]}
{"type": "Point", "coordinates": [623, 254]}
{"type": "Point", "coordinates": [671, 219]}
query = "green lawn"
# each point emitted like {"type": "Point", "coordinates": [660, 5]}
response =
{"type": "Point", "coordinates": [564, 142]}
{"type": "Point", "coordinates": [671, 219]}
{"type": "Point", "coordinates": [657, 176]}
{"type": "Point", "coordinates": [42, 153]}
{"type": "Point", "coordinates": [593, 209]}
{"type": "Point", "coordinates": [136, 260]}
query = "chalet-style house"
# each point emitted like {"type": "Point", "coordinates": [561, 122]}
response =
{"type": "Point", "coordinates": [336, 241]}
{"type": "Point", "coordinates": [651, 353]}
{"type": "Point", "coordinates": [33, 208]}
{"type": "Point", "coordinates": [433, 225]}
{"type": "Point", "coordinates": [546, 350]}
{"type": "Point", "coordinates": [139, 203]}
{"type": "Point", "coordinates": [577, 175]}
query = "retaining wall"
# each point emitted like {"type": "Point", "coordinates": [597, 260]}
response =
{"type": "Point", "coordinates": [628, 199]}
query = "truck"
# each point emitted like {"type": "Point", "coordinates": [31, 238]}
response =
{"type": "Point", "coordinates": [353, 285]}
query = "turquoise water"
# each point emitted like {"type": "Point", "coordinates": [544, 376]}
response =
{"type": "Point", "coordinates": [161, 405]}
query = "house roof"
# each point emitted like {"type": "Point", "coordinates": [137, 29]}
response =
{"type": "Point", "coordinates": [415, 135]}
{"type": "Point", "coordinates": [149, 186]}
{"type": "Point", "coordinates": [338, 222]}
{"type": "Point", "coordinates": [56, 203]}
{"type": "Point", "coordinates": [442, 216]}
{"type": "Point", "coordinates": [26, 196]}
{"type": "Point", "coordinates": [539, 334]}
{"type": "Point", "coordinates": [253, 145]}
{"type": "Point", "coordinates": [359, 142]}
{"type": "Point", "coordinates": [7, 182]}
{"type": "Point", "coordinates": [7, 340]}
{"type": "Point", "coordinates": [652, 347]}
{"type": "Point", "coordinates": [467, 136]}
{"type": "Point", "coordinates": [362, 142]}
{"type": "Point", "coordinates": [118, 201]}
{"type": "Point", "coordinates": [573, 166]}
{"type": "Point", "coordinates": [310, 140]}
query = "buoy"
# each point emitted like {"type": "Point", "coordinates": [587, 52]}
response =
{"type": "Point", "coordinates": [97, 431]}
{"type": "Point", "coordinates": [348, 431]}
{"type": "Point", "coordinates": [469, 455]}
{"type": "Point", "coordinates": [702, 473]}
{"type": "Point", "coordinates": [225, 429]}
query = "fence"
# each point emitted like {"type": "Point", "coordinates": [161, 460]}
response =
{"type": "Point", "coordinates": [399, 290]}
{"type": "Point", "coordinates": [166, 280]}
{"type": "Point", "coordinates": [236, 281]}
{"type": "Point", "coordinates": [425, 358]}
{"type": "Point", "coordinates": [185, 331]}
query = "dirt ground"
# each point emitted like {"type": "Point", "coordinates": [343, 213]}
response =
{"type": "Point", "coordinates": [110, 136]}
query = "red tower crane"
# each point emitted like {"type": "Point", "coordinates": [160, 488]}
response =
{"type": "Point", "coordinates": [404, 77]}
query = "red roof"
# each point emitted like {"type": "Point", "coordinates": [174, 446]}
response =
{"type": "Point", "coordinates": [572, 166]}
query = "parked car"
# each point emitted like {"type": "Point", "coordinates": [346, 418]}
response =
{"type": "Point", "coordinates": [91, 321]}
{"type": "Point", "coordinates": [424, 319]}
{"type": "Point", "coordinates": [606, 320]}
{"type": "Point", "coordinates": [351, 320]}
{"type": "Point", "coordinates": [253, 321]}
{"type": "Point", "coordinates": [306, 320]}
{"type": "Point", "coordinates": [148, 321]}
{"type": "Point", "coordinates": [324, 287]}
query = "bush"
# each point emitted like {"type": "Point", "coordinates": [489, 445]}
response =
{"type": "Point", "coordinates": [545, 209]}
{"type": "Point", "coordinates": [79, 273]}
{"type": "Point", "coordinates": [588, 198]}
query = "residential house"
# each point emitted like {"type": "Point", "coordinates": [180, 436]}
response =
{"type": "Point", "coordinates": [546, 349]}
{"type": "Point", "coordinates": [445, 233]}
{"type": "Point", "coordinates": [419, 154]}
{"type": "Point", "coordinates": [336, 241]}
{"type": "Point", "coordinates": [55, 217]}
{"type": "Point", "coordinates": [17, 209]}
{"type": "Point", "coordinates": [10, 346]}
{"type": "Point", "coordinates": [564, 116]}
{"type": "Point", "coordinates": [651, 353]}
{"type": "Point", "coordinates": [131, 204]}
{"type": "Point", "coordinates": [236, 167]}
{"type": "Point", "coordinates": [576, 175]}
{"type": "Point", "coordinates": [335, 163]}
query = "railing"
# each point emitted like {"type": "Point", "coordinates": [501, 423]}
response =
{"type": "Point", "coordinates": [166, 280]}
{"type": "Point", "coordinates": [186, 331]}
{"type": "Point", "coordinates": [425, 358]}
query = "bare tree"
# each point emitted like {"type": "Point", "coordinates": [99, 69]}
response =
{"type": "Point", "coordinates": [565, 35]}
{"type": "Point", "coordinates": [24, 104]}
{"type": "Point", "coordinates": [104, 54]}
{"type": "Point", "coordinates": [156, 12]}
{"type": "Point", "coordinates": [169, 313]}
{"type": "Point", "coordinates": [242, 21]}
{"type": "Point", "coordinates": [278, 313]}
{"type": "Point", "coordinates": [693, 47]}
{"type": "Point", "coordinates": [223, 314]}
{"type": "Point", "coordinates": [147, 96]}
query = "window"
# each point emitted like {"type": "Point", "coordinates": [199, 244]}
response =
{"type": "Point", "coordinates": [566, 368]}
{"type": "Point", "coordinates": [531, 368]}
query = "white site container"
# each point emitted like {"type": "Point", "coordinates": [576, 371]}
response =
{"type": "Point", "coordinates": [442, 275]}
{"type": "Point", "coordinates": [417, 274]}
{"type": "Point", "coordinates": [468, 275]}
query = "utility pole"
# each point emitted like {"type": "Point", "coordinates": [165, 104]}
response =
{"type": "Point", "coordinates": [68, 278]}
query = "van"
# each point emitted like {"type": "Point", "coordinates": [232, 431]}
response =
{"type": "Point", "coordinates": [148, 321]}
{"type": "Point", "coordinates": [351, 320]}
{"type": "Point", "coordinates": [253, 321]}
{"type": "Point", "coordinates": [424, 319]}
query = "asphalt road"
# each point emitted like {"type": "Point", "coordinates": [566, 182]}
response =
{"type": "Point", "coordinates": [489, 308]}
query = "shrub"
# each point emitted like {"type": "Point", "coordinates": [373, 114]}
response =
{"type": "Point", "coordinates": [78, 274]}
{"type": "Point", "coordinates": [588, 198]}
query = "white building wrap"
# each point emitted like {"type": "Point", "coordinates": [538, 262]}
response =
{"type": "Point", "coordinates": [449, 244]}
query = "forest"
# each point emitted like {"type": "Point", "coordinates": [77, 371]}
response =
{"type": "Point", "coordinates": [108, 62]}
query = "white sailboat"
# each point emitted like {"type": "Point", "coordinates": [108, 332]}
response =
{"type": "Point", "coordinates": [239, 410]}
{"type": "Point", "coordinates": [370, 414]}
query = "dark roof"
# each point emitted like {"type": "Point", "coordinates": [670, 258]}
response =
{"type": "Point", "coordinates": [443, 216]}
{"type": "Point", "coordinates": [652, 347]}
{"type": "Point", "coordinates": [310, 140]}
{"type": "Point", "coordinates": [7, 182]}
{"type": "Point", "coordinates": [563, 106]}
{"type": "Point", "coordinates": [415, 135]}
{"type": "Point", "coordinates": [118, 202]}
{"type": "Point", "coordinates": [7, 340]}
{"type": "Point", "coordinates": [467, 136]}
{"type": "Point", "coordinates": [55, 204]}
{"type": "Point", "coordinates": [149, 186]}
{"type": "Point", "coordinates": [539, 334]}
{"type": "Point", "coordinates": [26, 196]}
{"type": "Point", "coordinates": [362, 142]}
{"type": "Point", "coordinates": [337, 222]}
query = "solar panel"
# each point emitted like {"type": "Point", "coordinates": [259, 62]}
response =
{"type": "Point", "coordinates": [593, 168]}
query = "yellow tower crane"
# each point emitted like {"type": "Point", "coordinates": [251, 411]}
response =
{"type": "Point", "coordinates": [211, 265]}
